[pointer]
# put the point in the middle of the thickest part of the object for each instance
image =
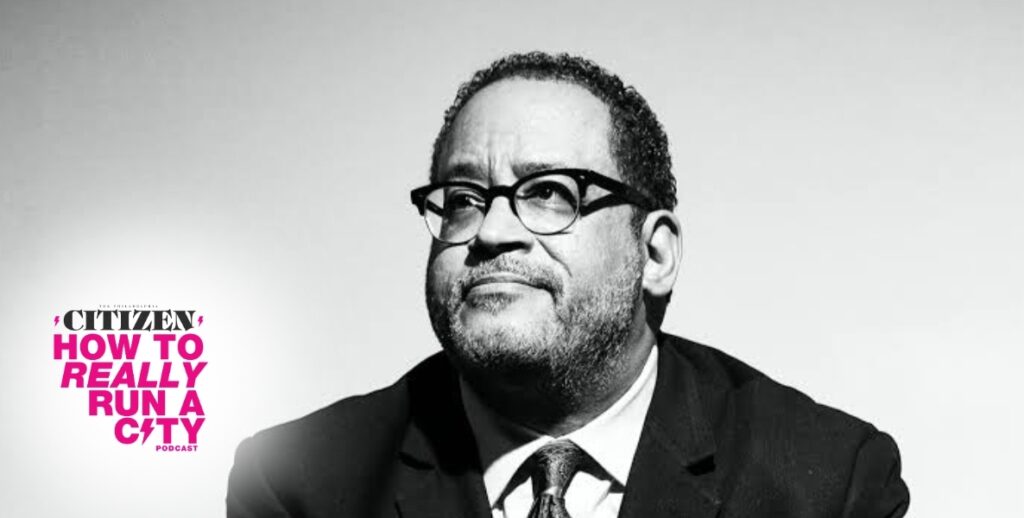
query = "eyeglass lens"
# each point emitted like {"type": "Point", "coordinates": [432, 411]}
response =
{"type": "Point", "coordinates": [545, 205]}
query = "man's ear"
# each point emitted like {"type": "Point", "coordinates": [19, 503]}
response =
{"type": "Point", "coordinates": [662, 236]}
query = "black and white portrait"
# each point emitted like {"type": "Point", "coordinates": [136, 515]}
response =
{"type": "Point", "coordinates": [522, 260]}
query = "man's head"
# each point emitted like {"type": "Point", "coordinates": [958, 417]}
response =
{"type": "Point", "coordinates": [555, 316]}
{"type": "Point", "coordinates": [636, 139]}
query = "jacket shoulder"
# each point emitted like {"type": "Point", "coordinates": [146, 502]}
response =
{"type": "Point", "coordinates": [755, 396]}
{"type": "Point", "coordinates": [789, 454]}
{"type": "Point", "coordinates": [337, 450]}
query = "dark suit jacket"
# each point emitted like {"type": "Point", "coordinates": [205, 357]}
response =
{"type": "Point", "coordinates": [720, 439]}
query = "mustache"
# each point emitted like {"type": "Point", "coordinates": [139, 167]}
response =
{"type": "Point", "coordinates": [537, 276]}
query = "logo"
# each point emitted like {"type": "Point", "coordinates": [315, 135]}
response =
{"type": "Point", "coordinates": [139, 365]}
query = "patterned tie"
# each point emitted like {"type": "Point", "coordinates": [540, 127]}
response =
{"type": "Point", "coordinates": [553, 467]}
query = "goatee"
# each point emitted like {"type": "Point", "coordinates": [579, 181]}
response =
{"type": "Point", "coordinates": [560, 360]}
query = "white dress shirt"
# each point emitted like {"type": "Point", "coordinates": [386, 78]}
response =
{"type": "Point", "coordinates": [611, 439]}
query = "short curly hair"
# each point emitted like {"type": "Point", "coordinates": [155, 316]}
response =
{"type": "Point", "coordinates": [638, 142]}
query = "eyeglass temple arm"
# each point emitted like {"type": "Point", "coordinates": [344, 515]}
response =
{"type": "Point", "coordinates": [420, 200]}
{"type": "Point", "coordinates": [623, 191]}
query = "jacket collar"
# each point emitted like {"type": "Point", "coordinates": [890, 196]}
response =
{"type": "Point", "coordinates": [673, 472]}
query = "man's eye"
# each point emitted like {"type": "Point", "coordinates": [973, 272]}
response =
{"type": "Point", "coordinates": [463, 200]}
{"type": "Point", "coordinates": [551, 192]}
{"type": "Point", "coordinates": [546, 192]}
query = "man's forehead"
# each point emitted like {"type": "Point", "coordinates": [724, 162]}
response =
{"type": "Point", "coordinates": [525, 125]}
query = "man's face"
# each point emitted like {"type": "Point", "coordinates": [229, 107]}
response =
{"type": "Point", "coordinates": [513, 303]}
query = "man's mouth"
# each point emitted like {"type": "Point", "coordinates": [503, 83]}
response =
{"type": "Point", "coordinates": [498, 282]}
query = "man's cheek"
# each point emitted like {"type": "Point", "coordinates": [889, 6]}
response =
{"type": "Point", "coordinates": [441, 280]}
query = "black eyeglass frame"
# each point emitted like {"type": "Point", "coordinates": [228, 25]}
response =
{"type": "Point", "coordinates": [619, 192]}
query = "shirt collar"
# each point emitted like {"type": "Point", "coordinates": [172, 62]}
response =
{"type": "Point", "coordinates": [611, 438]}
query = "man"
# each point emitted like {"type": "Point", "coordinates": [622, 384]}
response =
{"type": "Point", "coordinates": [554, 255]}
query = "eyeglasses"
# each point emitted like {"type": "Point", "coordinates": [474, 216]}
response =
{"type": "Point", "coordinates": [546, 202]}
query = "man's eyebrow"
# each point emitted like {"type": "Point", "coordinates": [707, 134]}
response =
{"type": "Point", "coordinates": [463, 170]}
{"type": "Point", "coordinates": [525, 168]}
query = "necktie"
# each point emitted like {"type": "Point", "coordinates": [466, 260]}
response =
{"type": "Point", "coordinates": [553, 467]}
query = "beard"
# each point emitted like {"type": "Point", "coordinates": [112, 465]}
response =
{"type": "Point", "coordinates": [561, 357]}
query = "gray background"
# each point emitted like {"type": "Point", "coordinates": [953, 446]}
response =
{"type": "Point", "coordinates": [850, 187]}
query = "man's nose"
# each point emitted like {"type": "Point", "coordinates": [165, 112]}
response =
{"type": "Point", "coordinates": [501, 230]}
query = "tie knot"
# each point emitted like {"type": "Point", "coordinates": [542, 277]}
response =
{"type": "Point", "coordinates": [554, 465]}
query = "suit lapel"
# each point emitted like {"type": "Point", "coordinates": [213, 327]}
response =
{"type": "Point", "coordinates": [431, 493]}
{"type": "Point", "coordinates": [440, 474]}
{"type": "Point", "coordinates": [673, 472]}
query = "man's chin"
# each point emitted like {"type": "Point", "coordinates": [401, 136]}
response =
{"type": "Point", "coordinates": [509, 345]}
{"type": "Point", "coordinates": [504, 318]}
